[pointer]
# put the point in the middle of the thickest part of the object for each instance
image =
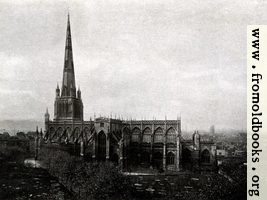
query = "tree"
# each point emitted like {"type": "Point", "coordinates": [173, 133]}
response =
{"type": "Point", "coordinates": [13, 153]}
{"type": "Point", "coordinates": [87, 180]}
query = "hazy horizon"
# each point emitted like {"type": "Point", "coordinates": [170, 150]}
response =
{"type": "Point", "coordinates": [14, 126]}
{"type": "Point", "coordinates": [137, 59]}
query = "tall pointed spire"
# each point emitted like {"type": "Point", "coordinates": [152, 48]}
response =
{"type": "Point", "coordinates": [68, 82]}
{"type": "Point", "coordinates": [68, 104]}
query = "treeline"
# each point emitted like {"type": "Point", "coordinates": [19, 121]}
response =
{"type": "Point", "coordinates": [86, 180]}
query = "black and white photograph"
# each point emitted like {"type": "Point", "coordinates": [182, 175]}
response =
{"type": "Point", "coordinates": [115, 99]}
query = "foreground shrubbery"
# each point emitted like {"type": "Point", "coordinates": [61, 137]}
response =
{"type": "Point", "coordinates": [104, 181]}
{"type": "Point", "coordinates": [13, 154]}
{"type": "Point", "coordinates": [87, 180]}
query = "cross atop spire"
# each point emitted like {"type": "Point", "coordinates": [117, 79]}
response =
{"type": "Point", "coordinates": [68, 82]}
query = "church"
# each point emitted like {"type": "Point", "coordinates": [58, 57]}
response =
{"type": "Point", "coordinates": [157, 144]}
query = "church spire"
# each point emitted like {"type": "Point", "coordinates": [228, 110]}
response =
{"type": "Point", "coordinates": [68, 103]}
{"type": "Point", "coordinates": [68, 82]}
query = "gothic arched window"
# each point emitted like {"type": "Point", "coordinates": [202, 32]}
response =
{"type": "Point", "coordinates": [158, 137]}
{"type": "Point", "coordinates": [126, 134]}
{"type": "Point", "coordinates": [147, 135]}
{"type": "Point", "coordinates": [101, 145]}
{"type": "Point", "coordinates": [171, 136]}
{"type": "Point", "coordinates": [170, 158]}
{"type": "Point", "coordinates": [136, 135]}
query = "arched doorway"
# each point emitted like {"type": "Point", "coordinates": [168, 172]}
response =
{"type": "Point", "coordinates": [101, 151]}
{"type": "Point", "coordinates": [186, 159]}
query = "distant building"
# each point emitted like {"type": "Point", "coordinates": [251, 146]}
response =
{"type": "Point", "coordinates": [212, 130]}
{"type": "Point", "coordinates": [221, 155]}
{"type": "Point", "coordinates": [147, 143]}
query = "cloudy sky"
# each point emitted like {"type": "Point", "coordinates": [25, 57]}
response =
{"type": "Point", "coordinates": [139, 59]}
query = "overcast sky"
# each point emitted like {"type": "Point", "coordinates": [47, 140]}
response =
{"type": "Point", "coordinates": [137, 59]}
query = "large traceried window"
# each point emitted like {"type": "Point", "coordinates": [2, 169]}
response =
{"type": "Point", "coordinates": [147, 135]}
{"type": "Point", "coordinates": [101, 138]}
{"type": "Point", "coordinates": [170, 158]}
{"type": "Point", "coordinates": [159, 137]}
{"type": "Point", "coordinates": [171, 136]}
{"type": "Point", "coordinates": [136, 135]}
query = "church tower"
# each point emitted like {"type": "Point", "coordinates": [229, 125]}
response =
{"type": "Point", "coordinates": [68, 104]}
